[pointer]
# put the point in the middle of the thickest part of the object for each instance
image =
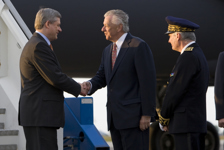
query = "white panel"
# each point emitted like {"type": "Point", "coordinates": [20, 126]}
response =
{"type": "Point", "coordinates": [3, 49]}
{"type": "Point", "coordinates": [12, 41]}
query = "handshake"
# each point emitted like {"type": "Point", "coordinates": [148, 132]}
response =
{"type": "Point", "coordinates": [85, 87]}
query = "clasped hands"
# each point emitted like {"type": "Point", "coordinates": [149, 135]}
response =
{"type": "Point", "coordinates": [85, 87]}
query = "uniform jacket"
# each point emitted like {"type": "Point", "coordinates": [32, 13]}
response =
{"type": "Point", "coordinates": [42, 84]}
{"type": "Point", "coordinates": [130, 85]}
{"type": "Point", "coordinates": [219, 87]}
{"type": "Point", "coordinates": [185, 100]}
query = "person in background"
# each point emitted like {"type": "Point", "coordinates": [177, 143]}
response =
{"type": "Point", "coordinates": [183, 112]}
{"type": "Point", "coordinates": [219, 90]}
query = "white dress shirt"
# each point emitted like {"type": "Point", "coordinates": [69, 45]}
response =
{"type": "Point", "coordinates": [46, 39]}
{"type": "Point", "coordinates": [119, 43]}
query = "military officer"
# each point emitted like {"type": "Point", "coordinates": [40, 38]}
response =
{"type": "Point", "coordinates": [183, 112]}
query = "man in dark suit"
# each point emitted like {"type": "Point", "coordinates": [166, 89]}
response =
{"type": "Point", "coordinates": [219, 90]}
{"type": "Point", "coordinates": [128, 71]}
{"type": "Point", "coordinates": [41, 105]}
{"type": "Point", "coordinates": [184, 107]}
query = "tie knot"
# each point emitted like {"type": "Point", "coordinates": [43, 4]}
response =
{"type": "Point", "coordinates": [114, 46]}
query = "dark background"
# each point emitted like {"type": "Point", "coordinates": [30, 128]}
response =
{"type": "Point", "coordinates": [81, 42]}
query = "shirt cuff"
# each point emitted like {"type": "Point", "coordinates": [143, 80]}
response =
{"type": "Point", "coordinates": [90, 87]}
{"type": "Point", "coordinates": [161, 127]}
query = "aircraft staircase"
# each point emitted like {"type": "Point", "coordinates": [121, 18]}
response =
{"type": "Point", "coordinates": [13, 37]}
{"type": "Point", "coordinates": [8, 137]}
{"type": "Point", "coordinates": [14, 34]}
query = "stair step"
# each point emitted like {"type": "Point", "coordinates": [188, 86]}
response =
{"type": "Point", "coordinates": [2, 126]}
{"type": "Point", "coordinates": [4, 132]}
{"type": "Point", "coordinates": [9, 140]}
{"type": "Point", "coordinates": [8, 147]}
{"type": "Point", "coordinates": [2, 118]}
{"type": "Point", "coordinates": [2, 110]}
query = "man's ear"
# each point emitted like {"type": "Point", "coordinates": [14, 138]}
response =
{"type": "Point", "coordinates": [47, 24]}
{"type": "Point", "coordinates": [119, 27]}
{"type": "Point", "coordinates": [178, 36]}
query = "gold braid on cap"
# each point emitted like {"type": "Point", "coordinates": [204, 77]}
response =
{"type": "Point", "coordinates": [176, 28]}
{"type": "Point", "coordinates": [163, 121]}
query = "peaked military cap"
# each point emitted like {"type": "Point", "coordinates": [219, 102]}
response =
{"type": "Point", "coordinates": [180, 25]}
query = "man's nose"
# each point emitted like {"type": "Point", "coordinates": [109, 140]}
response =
{"type": "Point", "coordinates": [60, 29]}
{"type": "Point", "coordinates": [103, 29]}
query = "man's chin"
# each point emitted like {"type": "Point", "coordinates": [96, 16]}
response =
{"type": "Point", "coordinates": [55, 38]}
{"type": "Point", "coordinates": [108, 39]}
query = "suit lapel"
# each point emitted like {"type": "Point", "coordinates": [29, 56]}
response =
{"type": "Point", "coordinates": [53, 53]}
{"type": "Point", "coordinates": [120, 56]}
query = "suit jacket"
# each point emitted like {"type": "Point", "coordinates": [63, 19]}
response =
{"type": "Point", "coordinates": [42, 84]}
{"type": "Point", "coordinates": [130, 85]}
{"type": "Point", "coordinates": [185, 100]}
{"type": "Point", "coordinates": [219, 87]}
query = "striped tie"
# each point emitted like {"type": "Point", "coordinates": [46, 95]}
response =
{"type": "Point", "coordinates": [114, 54]}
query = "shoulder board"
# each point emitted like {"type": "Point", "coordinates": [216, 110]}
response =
{"type": "Point", "coordinates": [189, 49]}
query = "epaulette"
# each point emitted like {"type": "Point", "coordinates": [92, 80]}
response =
{"type": "Point", "coordinates": [189, 49]}
{"type": "Point", "coordinates": [163, 121]}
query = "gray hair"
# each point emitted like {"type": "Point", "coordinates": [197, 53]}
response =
{"type": "Point", "coordinates": [44, 15]}
{"type": "Point", "coordinates": [188, 36]}
{"type": "Point", "coordinates": [119, 17]}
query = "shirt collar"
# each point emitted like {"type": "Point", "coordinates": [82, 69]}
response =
{"type": "Point", "coordinates": [120, 41]}
{"type": "Point", "coordinates": [186, 46]}
{"type": "Point", "coordinates": [46, 39]}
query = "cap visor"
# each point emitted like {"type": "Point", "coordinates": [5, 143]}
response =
{"type": "Point", "coordinates": [168, 32]}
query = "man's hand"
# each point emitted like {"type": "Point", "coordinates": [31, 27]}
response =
{"type": "Point", "coordinates": [221, 123]}
{"type": "Point", "coordinates": [144, 122]}
{"type": "Point", "coordinates": [84, 91]}
{"type": "Point", "coordinates": [87, 85]}
{"type": "Point", "coordinates": [165, 128]}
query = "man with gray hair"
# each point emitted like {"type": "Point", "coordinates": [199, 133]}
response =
{"type": "Point", "coordinates": [127, 69]}
{"type": "Point", "coordinates": [41, 104]}
{"type": "Point", "coordinates": [183, 112]}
